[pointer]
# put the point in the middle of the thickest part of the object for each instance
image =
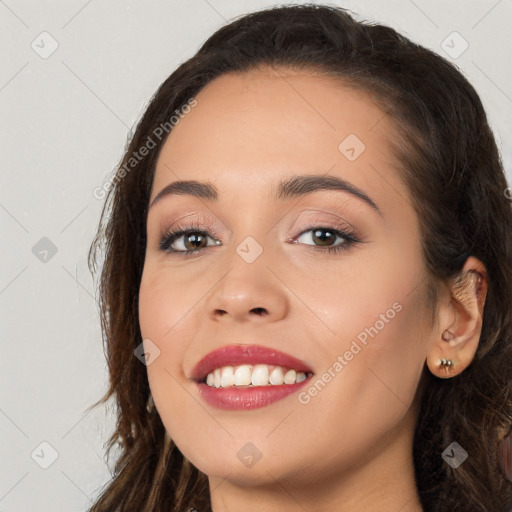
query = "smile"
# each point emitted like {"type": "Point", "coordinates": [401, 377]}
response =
{"type": "Point", "coordinates": [248, 376]}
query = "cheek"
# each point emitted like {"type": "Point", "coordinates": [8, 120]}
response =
{"type": "Point", "coordinates": [164, 315]}
{"type": "Point", "coordinates": [159, 310]}
{"type": "Point", "coordinates": [371, 372]}
{"type": "Point", "coordinates": [167, 298]}
{"type": "Point", "coordinates": [377, 337]}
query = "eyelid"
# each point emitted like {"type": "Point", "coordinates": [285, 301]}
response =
{"type": "Point", "coordinates": [327, 214]}
{"type": "Point", "coordinates": [199, 222]}
{"type": "Point", "coordinates": [337, 224]}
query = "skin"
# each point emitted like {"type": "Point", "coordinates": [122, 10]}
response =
{"type": "Point", "coordinates": [350, 447]}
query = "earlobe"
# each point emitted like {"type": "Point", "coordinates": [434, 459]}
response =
{"type": "Point", "coordinates": [460, 323]}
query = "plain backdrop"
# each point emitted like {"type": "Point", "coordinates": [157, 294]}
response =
{"type": "Point", "coordinates": [75, 75]}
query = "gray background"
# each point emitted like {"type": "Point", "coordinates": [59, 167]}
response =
{"type": "Point", "coordinates": [65, 119]}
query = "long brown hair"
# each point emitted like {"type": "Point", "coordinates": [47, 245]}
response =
{"type": "Point", "coordinates": [452, 167]}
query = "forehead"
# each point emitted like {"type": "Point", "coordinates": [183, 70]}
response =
{"type": "Point", "coordinates": [250, 130]}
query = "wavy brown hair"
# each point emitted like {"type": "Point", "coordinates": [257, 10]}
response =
{"type": "Point", "coordinates": [448, 159]}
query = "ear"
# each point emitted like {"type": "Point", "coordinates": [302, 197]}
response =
{"type": "Point", "coordinates": [460, 315]}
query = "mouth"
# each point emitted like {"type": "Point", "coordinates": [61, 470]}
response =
{"type": "Point", "coordinates": [248, 376]}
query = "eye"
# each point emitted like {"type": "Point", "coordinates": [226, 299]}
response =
{"type": "Point", "coordinates": [323, 237]}
{"type": "Point", "coordinates": [186, 241]}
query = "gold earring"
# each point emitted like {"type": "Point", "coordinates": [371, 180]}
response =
{"type": "Point", "coordinates": [446, 363]}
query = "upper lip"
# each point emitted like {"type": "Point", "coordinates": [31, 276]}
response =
{"type": "Point", "coordinates": [234, 355]}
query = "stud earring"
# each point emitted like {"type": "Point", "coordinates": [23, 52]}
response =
{"type": "Point", "coordinates": [446, 363]}
{"type": "Point", "coordinates": [447, 335]}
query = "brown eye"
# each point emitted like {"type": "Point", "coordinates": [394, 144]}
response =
{"type": "Point", "coordinates": [194, 241]}
{"type": "Point", "coordinates": [186, 241]}
{"type": "Point", "coordinates": [324, 237]}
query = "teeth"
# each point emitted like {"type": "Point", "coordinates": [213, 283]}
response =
{"type": "Point", "coordinates": [227, 377]}
{"type": "Point", "coordinates": [260, 375]}
{"type": "Point", "coordinates": [242, 375]}
{"type": "Point", "coordinates": [301, 376]}
{"type": "Point", "coordinates": [290, 376]}
{"type": "Point", "coordinates": [257, 375]}
{"type": "Point", "coordinates": [216, 378]}
{"type": "Point", "coordinates": [276, 377]}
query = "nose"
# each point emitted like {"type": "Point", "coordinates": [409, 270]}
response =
{"type": "Point", "coordinates": [248, 292]}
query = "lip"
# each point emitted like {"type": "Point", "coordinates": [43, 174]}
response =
{"type": "Point", "coordinates": [233, 398]}
{"type": "Point", "coordinates": [234, 355]}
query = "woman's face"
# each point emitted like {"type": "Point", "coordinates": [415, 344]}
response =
{"type": "Point", "coordinates": [355, 317]}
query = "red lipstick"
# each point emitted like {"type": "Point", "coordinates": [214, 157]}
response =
{"type": "Point", "coordinates": [246, 397]}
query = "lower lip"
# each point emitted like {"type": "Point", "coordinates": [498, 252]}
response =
{"type": "Point", "coordinates": [234, 398]}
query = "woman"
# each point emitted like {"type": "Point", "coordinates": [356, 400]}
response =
{"type": "Point", "coordinates": [306, 292]}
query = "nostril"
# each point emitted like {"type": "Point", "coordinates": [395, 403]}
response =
{"type": "Point", "coordinates": [259, 311]}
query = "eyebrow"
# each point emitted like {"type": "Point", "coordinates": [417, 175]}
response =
{"type": "Point", "coordinates": [294, 186]}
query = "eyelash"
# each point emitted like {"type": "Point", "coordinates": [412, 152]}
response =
{"type": "Point", "coordinates": [348, 236]}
